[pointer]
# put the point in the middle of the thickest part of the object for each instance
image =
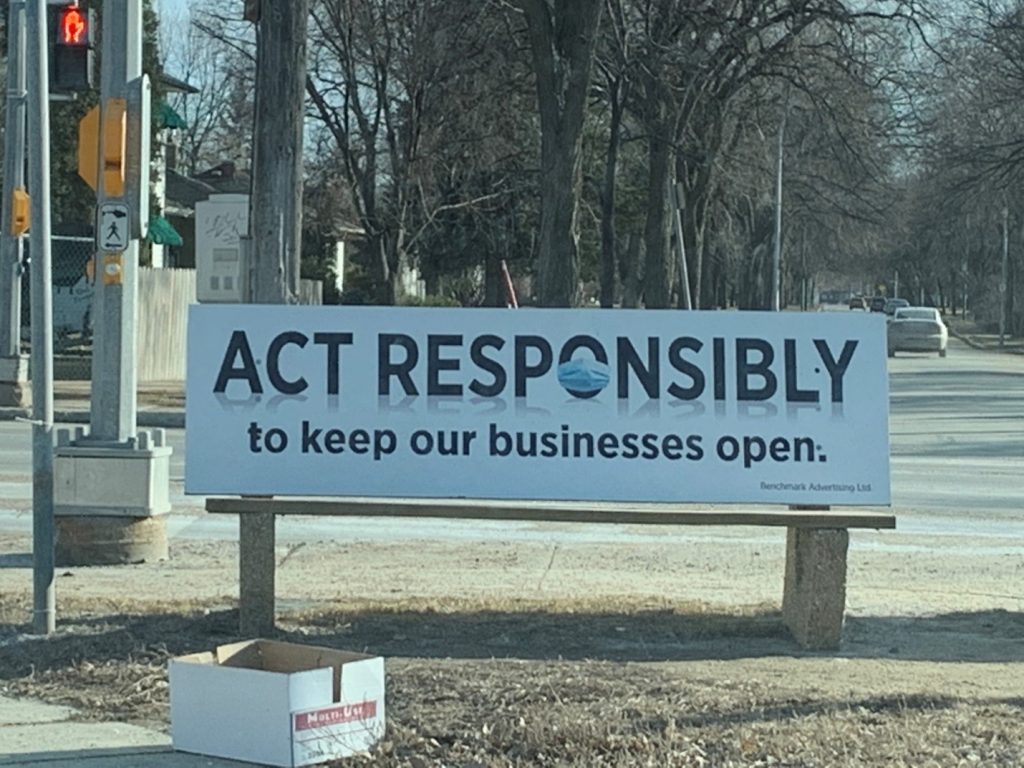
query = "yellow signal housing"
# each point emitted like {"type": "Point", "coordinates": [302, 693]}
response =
{"type": "Point", "coordinates": [115, 129]}
{"type": "Point", "coordinates": [21, 212]}
{"type": "Point", "coordinates": [89, 147]}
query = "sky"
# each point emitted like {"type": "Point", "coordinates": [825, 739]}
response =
{"type": "Point", "coordinates": [172, 6]}
{"type": "Point", "coordinates": [172, 9]}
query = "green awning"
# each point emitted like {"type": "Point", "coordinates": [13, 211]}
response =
{"type": "Point", "coordinates": [168, 118]}
{"type": "Point", "coordinates": [162, 232]}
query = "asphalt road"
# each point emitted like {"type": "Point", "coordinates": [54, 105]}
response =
{"type": "Point", "coordinates": [957, 464]}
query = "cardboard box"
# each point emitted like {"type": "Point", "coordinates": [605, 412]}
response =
{"type": "Point", "coordinates": [276, 703]}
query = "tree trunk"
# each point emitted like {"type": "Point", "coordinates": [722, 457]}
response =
{"type": "Point", "coordinates": [562, 39]}
{"type": "Point", "coordinates": [608, 244]}
{"type": "Point", "coordinates": [630, 272]}
{"type": "Point", "coordinates": [657, 285]}
{"type": "Point", "coordinates": [697, 182]}
{"type": "Point", "coordinates": [379, 272]}
{"type": "Point", "coordinates": [558, 257]}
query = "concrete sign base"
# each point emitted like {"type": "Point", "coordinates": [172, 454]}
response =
{"type": "Point", "coordinates": [110, 503]}
{"type": "Point", "coordinates": [814, 595]}
{"type": "Point", "coordinates": [95, 540]}
{"type": "Point", "coordinates": [94, 480]}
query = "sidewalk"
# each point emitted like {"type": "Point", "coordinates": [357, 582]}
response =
{"type": "Point", "coordinates": [969, 333]}
{"type": "Point", "coordinates": [36, 735]}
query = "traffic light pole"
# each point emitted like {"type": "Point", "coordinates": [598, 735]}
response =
{"type": "Point", "coordinates": [44, 602]}
{"type": "Point", "coordinates": [14, 389]}
{"type": "Point", "coordinates": [114, 378]}
{"type": "Point", "coordinates": [113, 487]}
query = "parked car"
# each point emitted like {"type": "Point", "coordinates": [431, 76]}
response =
{"type": "Point", "coordinates": [917, 329]}
{"type": "Point", "coordinates": [877, 304]}
{"type": "Point", "coordinates": [858, 302]}
{"type": "Point", "coordinates": [891, 305]}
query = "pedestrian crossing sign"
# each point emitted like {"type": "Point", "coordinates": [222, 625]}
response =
{"type": "Point", "coordinates": [113, 230]}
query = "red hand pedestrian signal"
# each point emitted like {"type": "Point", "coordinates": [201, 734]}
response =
{"type": "Point", "coordinates": [71, 69]}
{"type": "Point", "coordinates": [74, 27]}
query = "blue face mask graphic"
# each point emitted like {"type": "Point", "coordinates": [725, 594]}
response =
{"type": "Point", "coordinates": [583, 378]}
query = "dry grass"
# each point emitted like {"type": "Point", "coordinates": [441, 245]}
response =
{"type": "Point", "coordinates": [516, 684]}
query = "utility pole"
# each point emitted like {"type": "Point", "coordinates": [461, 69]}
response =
{"type": "Point", "coordinates": [44, 610]}
{"type": "Point", "coordinates": [273, 247]}
{"type": "Point", "coordinates": [275, 217]}
{"type": "Point", "coordinates": [14, 388]}
{"type": "Point", "coordinates": [113, 486]}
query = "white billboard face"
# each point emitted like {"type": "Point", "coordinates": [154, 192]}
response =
{"type": "Point", "coordinates": [659, 406]}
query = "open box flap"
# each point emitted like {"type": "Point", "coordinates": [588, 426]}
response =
{"type": "Point", "coordinates": [286, 658]}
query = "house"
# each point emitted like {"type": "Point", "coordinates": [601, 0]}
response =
{"type": "Point", "coordinates": [182, 194]}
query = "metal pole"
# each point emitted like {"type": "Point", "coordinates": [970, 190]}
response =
{"type": "Point", "coordinates": [1003, 276]}
{"type": "Point", "coordinates": [114, 376]}
{"type": "Point", "coordinates": [777, 250]}
{"type": "Point", "coordinates": [677, 222]}
{"type": "Point", "coordinates": [44, 610]}
{"type": "Point", "coordinates": [510, 289]}
{"type": "Point", "coordinates": [11, 247]}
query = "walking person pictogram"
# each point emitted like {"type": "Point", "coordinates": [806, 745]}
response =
{"type": "Point", "coordinates": [113, 227]}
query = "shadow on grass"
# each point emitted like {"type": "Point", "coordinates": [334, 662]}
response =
{"type": "Point", "coordinates": [620, 636]}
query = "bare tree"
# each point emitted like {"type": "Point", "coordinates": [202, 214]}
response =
{"type": "Point", "coordinates": [563, 36]}
{"type": "Point", "coordinates": [222, 74]}
{"type": "Point", "coordinates": [698, 58]}
{"type": "Point", "coordinates": [378, 75]}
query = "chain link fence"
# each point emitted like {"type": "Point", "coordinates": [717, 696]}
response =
{"type": "Point", "coordinates": [72, 304]}
{"type": "Point", "coordinates": [164, 298]}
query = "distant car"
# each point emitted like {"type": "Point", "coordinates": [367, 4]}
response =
{"type": "Point", "coordinates": [877, 304]}
{"type": "Point", "coordinates": [891, 305]}
{"type": "Point", "coordinates": [858, 302]}
{"type": "Point", "coordinates": [917, 329]}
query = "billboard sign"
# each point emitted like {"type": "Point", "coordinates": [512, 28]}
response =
{"type": "Point", "coordinates": [547, 404]}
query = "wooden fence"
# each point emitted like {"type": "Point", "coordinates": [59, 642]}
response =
{"type": "Point", "coordinates": [164, 297]}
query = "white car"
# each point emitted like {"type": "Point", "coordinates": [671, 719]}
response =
{"type": "Point", "coordinates": [917, 329]}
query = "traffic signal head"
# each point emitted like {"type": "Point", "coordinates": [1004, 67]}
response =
{"type": "Point", "coordinates": [72, 48]}
{"type": "Point", "coordinates": [74, 27]}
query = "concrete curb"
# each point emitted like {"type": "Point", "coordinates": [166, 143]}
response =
{"type": "Point", "coordinates": [965, 339]}
{"type": "Point", "coordinates": [164, 419]}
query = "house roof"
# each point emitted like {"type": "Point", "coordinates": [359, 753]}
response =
{"type": "Point", "coordinates": [226, 178]}
{"type": "Point", "coordinates": [184, 191]}
{"type": "Point", "coordinates": [174, 84]}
